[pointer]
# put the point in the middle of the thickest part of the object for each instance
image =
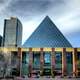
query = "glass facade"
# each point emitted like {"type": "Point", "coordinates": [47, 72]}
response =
{"type": "Point", "coordinates": [25, 63]}
{"type": "Point", "coordinates": [47, 35]}
{"type": "Point", "coordinates": [36, 60]}
{"type": "Point", "coordinates": [12, 33]}
{"type": "Point", "coordinates": [47, 58]}
{"type": "Point", "coordinates": [69, 62]}
{"type": "Point", "coordinates": [58, 60]}
{"type": "Point", "coordinates": [47, 63]}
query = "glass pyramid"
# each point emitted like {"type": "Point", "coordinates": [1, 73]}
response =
{"type": "Point", "coordinates": [47, 35]}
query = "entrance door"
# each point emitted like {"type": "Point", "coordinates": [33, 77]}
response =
{"type": "Point", "coordinates": [58, 63]}
{"type": "Point", "coordinates": [36, 64]}
{"type": "Point", "coordinates": [36, 61]}
{"type": "Point", "coordinates": [69, 62]}
{"type": "Point", "coordinates": [25, 63]}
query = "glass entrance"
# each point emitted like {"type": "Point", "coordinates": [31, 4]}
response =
{"type": "Point", "coordinates": [69, 62]}
{"type": "Point", "coordinates": [36, 64]}
{"type": "Point", "coordinates": [58, 63]}
{"type": "Point", "coordinates": [36, 61]}
{"type": "Point", "coordinates": [25, 63]}
{"type": "Point", "coordinates": [47, 63]}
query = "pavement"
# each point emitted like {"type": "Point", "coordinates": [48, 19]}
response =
{"type": "Point", "coordinates": [42, 78]}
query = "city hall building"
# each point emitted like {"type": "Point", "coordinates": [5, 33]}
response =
{"type": "Point", "coordinates": [46, 53]}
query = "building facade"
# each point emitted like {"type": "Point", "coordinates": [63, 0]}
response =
{"type": "Point", "coordinates": [46, 53]}
{"type": "Point", "coordinates": [43, 61]}
{"type": "Point", "coordinates": [12, 36]}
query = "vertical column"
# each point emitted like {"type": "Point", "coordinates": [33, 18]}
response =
{"type": "Point", "coordinates": [30, 61]}
{"type": "Point", "coordinates": [20, 60]}
{"type": "Point", "coordinates": [52, 61]}
{"type": "Point", "coordinates": [41, 61]}
{"type": "Point", "coordinates": [63, 62]}
{"type": "Point", "coordinates": [74, 62]}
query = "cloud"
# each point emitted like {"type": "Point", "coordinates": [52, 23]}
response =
{"type": "Point", "coordinates": [32, 8]}
{"type": "Point", "coordinates": [29, 8]}
{"type": "Point", "coordinates": [66, 16]}
{"type": "Point", "coordinates": [70, 22]}
{"type": "Point", "coordinates": [4, 4]}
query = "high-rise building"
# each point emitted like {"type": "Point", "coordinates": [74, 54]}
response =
{"type": "Point", "coordinates": [12, 36]}
{"type": "Point", "coordinates": [0, 40]}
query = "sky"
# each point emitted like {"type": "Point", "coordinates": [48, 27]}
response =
{"type": "Point", "coordinates": [64, 13]}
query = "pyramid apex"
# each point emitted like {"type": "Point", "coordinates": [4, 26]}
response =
{"type": "Point", "coordinates": [47, 17]}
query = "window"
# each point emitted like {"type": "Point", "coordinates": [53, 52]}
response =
{"type": "Point", "coordinates": [25, 58]}
{"type": "Point", "coordinates": [58, 57]}
{"type": "Point", "coordinates": [47, 58]}
{"type": "Point", "coordinates": [58, 60]}
{"type": "Point", "coordinates": [36, 58]}
{"type": "Point", "coordinates": [69, 62]}
{"type": "Point", "coordinates": [69, 57]}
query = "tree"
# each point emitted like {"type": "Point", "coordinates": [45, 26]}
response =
{"type": "Point", "coordinates": [4, 63]}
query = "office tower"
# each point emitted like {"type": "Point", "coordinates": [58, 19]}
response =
{"type": "Point", "coordinates": [0, 40]}
{"type": "Point", "coordinates": [12, 36]}
{"type": "Point", "coordinates": [47, 35]}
